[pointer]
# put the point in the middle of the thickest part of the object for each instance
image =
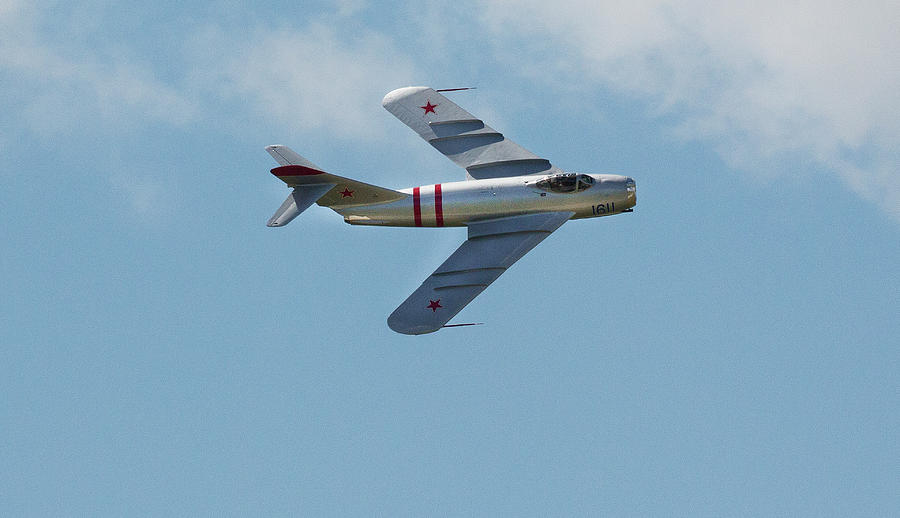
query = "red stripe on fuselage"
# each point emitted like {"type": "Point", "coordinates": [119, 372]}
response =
{"type": "Point", "coordinates": [438, 206]}
{"type": "Point", "coordinates": [417, 207]}
{"type": "Point", "coordinates": [295, 170]}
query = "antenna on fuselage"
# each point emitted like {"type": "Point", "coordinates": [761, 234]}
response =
{"type": "Point", "coordinates": [456, 89]}
{"type": "Point", "coordinates": [463, 325]}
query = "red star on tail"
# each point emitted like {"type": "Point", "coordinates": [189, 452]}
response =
{"type": "Point", "coordinates": [429, 108]}
{"type": "Point", "coordinates": [435, 304]}
{"type": "Point", "coordinates": [346, 193]}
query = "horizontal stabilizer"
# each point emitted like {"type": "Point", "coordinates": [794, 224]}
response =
{"type": "Point", "coordinates": [298, 201]}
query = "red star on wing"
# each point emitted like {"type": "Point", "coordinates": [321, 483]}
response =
{"type": "Point", "coordinates": [429, 108]}
{"type": "Point", "coordinates": [435, 304]}
{"type": "Point", "coordinates": [346, 193]}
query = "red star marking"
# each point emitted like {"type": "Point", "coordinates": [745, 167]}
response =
{"type": "Point", "coordinates": [346, 193]}
{"type": "Point", "coordinates": [429, 108]}
{"type": "Point", "coordinates": [435, 304]}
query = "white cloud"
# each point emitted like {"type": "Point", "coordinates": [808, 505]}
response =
{"type": "Point", "coordinates": [311, 76]}
{"type": "Point", "coordinates": [768, 85]}
{"type": "Point", "coordinates": [67, 94]}
{"type": "Point", "coordinates": [350, 7]}
{"type": "Point", "coordinates": [761, 82]}
{"type": "Point", "coordinates": [64, 87]}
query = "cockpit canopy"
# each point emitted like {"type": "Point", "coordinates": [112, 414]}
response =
{"type": "Point", "coordinates": [565, 183]}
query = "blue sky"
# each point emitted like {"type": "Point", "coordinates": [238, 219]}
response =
{"type": "Point", "coordinates": [730, 348]}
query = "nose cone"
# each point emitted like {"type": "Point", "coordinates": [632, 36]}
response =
{"type": "Point", "coordinates": [630, 192]}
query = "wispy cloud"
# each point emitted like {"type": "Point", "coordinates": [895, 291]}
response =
{"type": "Point", "coordinates": [768, 85]}
{"type": "Point", "coordinates": [66, 93]}
{"type": "Point", "coordinates": [761, 82]}
{"type": "Point", "coordinates": [350, 7]}
{"type": "Point", "coordinates": [311, 75]}
{"type": "Point", "coordinates": [63, 87]}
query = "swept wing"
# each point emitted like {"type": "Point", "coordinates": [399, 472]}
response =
{"type": "Point", "coordinates": [492, 247]}
{"type": "Point", "coordinates": [463, 138]}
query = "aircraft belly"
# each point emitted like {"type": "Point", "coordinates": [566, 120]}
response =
{"type": "Point", "coordinates": [395, 214]}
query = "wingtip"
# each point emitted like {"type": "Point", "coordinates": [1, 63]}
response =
{"type": "Point", "coordinates": [394, 95]}
{"type": "Point", "coordinates": [398, 325]}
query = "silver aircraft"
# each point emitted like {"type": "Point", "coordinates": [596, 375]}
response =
{"type": "Point", "coordinates": [510, 201]}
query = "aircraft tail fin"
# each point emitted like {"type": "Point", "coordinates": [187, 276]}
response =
{"type": "Point", "coordinates": [313, 185]}
{"type": "Point", "coordinates": [287, 156]}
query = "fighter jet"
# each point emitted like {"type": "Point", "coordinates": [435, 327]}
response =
{"type": "Point", "coordinates": [510, 201]}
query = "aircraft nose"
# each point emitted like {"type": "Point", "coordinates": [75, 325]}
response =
{"type": "Point", "coordinates": [630, 191]}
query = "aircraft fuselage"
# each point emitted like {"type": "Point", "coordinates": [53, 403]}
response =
{"type": "Point", "coordinates": [458, 203]}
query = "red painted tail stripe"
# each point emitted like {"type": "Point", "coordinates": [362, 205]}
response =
{"type": "Point", "coordinates": [438, 206]}
{"type": "Point", "coordinates": [295, 170]}
{"type": "Point", "coordinates": [417, 207]}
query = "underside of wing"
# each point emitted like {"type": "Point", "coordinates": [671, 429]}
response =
{"type": "Point", "coordinates": [492, 247]}
{"type": "Point", "coordinates": [460, 136]}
